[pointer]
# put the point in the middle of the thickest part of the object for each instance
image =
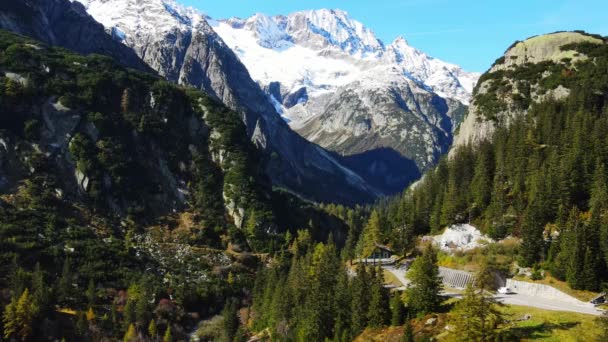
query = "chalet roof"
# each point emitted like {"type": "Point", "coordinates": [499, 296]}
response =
{"type": "Point", "coordinates": [386, 248]}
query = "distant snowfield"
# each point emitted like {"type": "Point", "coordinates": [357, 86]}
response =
{"type": "Point", "coordinates": [461, 237]}
{"type": "Point", "coordinates": [322, 50]}
{"type": "Point", "coordinates": [292, 65]}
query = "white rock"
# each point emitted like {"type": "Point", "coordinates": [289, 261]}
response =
{"type": "Point", "coordinates": [461, 237]}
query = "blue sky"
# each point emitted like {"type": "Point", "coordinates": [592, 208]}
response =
{"type": "Point", "coordinates": [470, 33]}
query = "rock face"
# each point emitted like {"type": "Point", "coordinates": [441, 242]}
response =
{"type": "Point", "coordinates": [511, 95]}
{"type": "Point", "coordinates": [339, 86]}
{"type": "Point", "coordinates": [180, 44]}
{"type": "Point", "coordinates": [65, 24]}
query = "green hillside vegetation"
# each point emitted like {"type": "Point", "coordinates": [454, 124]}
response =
{"type": "Point", "coordinates": [119, 194]}
{"type": "Point", "coordinates": [542, 178]}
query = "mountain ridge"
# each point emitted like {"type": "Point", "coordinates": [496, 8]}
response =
{"type": "Point", "coordinates": [180, 44]}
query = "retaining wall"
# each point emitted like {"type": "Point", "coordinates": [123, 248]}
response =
{"type": "Point", "coordinates": [455, 278]}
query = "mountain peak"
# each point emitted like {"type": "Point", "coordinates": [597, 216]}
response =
{"type": "Point", "coordinates": [334, 27]}
{"type": "Point", "coordinates": [400, 41]}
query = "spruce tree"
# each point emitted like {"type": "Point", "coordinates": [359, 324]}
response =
{"type": "Point", "coordinates": [476, 315]}
{"type": "Point", "coordinates": [360, 300]}
{"type": "Point", "coordinates": [130, 334]}
{"type": "Point", "coordinates": [342, 306]}
{"type": "Point", "coordinates": [408, 331]}
{"type": "Point", "coordinates": [378, 310]}
{"type": "Point", "coordinates": [397, 310]}
{"type": "Point", "coordinates": [231, 319]}
{"type": "Point", "coordinates": [168, 337]}
{"type": "Point", "coordinates": [423, 293]}
{"type": "Point", "coordinates": [40, 290]}
{"type": "Point", "coordinates": [532, 244]}
{"type": "Point", "coordinates": [152, 330]}
{"type": "Point", "coordinates": [64, 286]}
{"type": "Point", "coordinates": [371, 234]}
{"type": "Point", "coordinates": [19, 315]}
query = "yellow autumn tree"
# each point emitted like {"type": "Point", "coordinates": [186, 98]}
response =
{"type": "Point", "coordinates": [131, 334]}
{"type": "Point", "coordinates": [90, 314]}
{"type": "Point", "coordinates": [19, 315]}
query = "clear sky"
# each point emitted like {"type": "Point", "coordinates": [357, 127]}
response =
{"type": "Point", "coordinates": [466, 32]}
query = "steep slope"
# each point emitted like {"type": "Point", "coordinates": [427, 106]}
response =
{"type": "Point", "coordinates": [66, 24]}
{"type": "Point", "coordinates": [119, 189]}
{"type": "Point", "coordinates": [180, 44]}
{"type": "Point", "coordinates": [519, 79]}
{"type": "Point", "coordinates": [338, 85]}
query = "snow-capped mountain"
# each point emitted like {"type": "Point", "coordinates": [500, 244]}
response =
{"type": "Point", "coordinates": [338, 85]}
{"type": "Point", "coordinates": [180, 45]}
{"type": "Point", "coordinates": [388, 111]}
{"type": "Point", "coordinates": [324, 49]}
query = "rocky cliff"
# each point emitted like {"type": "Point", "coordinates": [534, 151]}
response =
{"type": "Point", "coordinates": [180, 44]}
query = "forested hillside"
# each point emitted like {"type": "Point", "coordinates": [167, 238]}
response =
{"type": "Point", "coordinates": [127, 202]}
{"type": "Point", "coordinates": [541, 176]}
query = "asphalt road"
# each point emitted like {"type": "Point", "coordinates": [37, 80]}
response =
{"type": "Point", "coordinates": [548, 304]}
{"type": "Point", "coordinates": [517, 299]}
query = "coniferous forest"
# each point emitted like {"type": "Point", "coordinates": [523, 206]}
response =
{"type": "Point", "coordinates": [133, 208]}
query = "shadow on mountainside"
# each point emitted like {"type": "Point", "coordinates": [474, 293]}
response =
{"type": "Point", "coordinates": [384, 168]}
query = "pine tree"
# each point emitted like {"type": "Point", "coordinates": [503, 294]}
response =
{"type": "Point", "coordinates": [9, 319]}
{"type": "Point", "coordinates": [231, 319]}
{"type": "Point", "coordinates": [378, 310]}
{"type": "Point", "coordinates": [64, 286]}
{"type": "Point", "coordinates": [19, 315]}
{"type": "Point", "coordinates": [476, 316]}
{"type": "Point", "coordinates": [342, 307]}
{"type": "Point", "coordinates": [90, 314]}
{"type": "Point", "coordinates": [128, 313]}
{"type": "Point", "coordinates": [82, 326]}
{"type": "Point", "coordinates": [481, 186]}
{"type": "Point", "coordinates": [408, 331]}
{"type": "Point", "coordinates": [371, 234]}
{"type": "Point", "coordinates": [91, 295]}
{"type": "Point", "coordinates": [397, 310]}
{"type": "Point", "coordinates": [423, 294]}
{"type": "Point", "coordinates": [152, 330]}
{"type": "Point", "coordinates": [40, 291]}
{"type": "Point", "coordinates": [168, 337]}
{"type": "Point", "coordinates": [532, 244]}
{"type": "Point", "coordinates": [131, 334]}
{"type": "Point", "coordinates": [360, 300]}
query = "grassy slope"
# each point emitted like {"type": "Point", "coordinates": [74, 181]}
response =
{"type": "Point", "coordinates": [543, 325]}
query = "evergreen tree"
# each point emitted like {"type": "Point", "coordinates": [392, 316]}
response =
{"type": "Point", "coordinates": [476, 316]}
{"type": "Point", "coordinates": [91, 295]}
{"type": "Point", "coordinates": [152, 330]}
{"type": "Point", "coordinates": [130, 334]}
{"type": "Point", "coordinates": [19, 315]}
{"type": "Point", "coordinates": [423, 294]}
{"type": "Point", "coordinates": [82, 326]}
{"type": "Point", "coordinates": [408, 331]}
{"type": "Point", "coordinates": [378, 311]}
{"type": "Point", "coordinates": [397, 310]}
{"type": "Point", "coordinates": [40, 290]}
{"type": "Point", "coordinates": [371, 234]}
{"type": "Point", "coordinates": [231, 319]}
{"type": "Point", "coordinates": [128, 313]}
{"type": "Point", "coordinates": [64, 286]}
{"type": "Point", "coordinates": [342, 307]}
{"type": "Point", "coordinates": [90, 314]}
{"type": "Point", "coordinates": [481, 185]}
{"type": "Point", "coordinates": [360, 300]}
{"type": "Point", "coordinates": [532, 244]}
{"type": "Point", "coordinates": [168, 337]}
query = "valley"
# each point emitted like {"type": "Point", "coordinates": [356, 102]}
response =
{"type": "Point", "coordinates": [170, 176]}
